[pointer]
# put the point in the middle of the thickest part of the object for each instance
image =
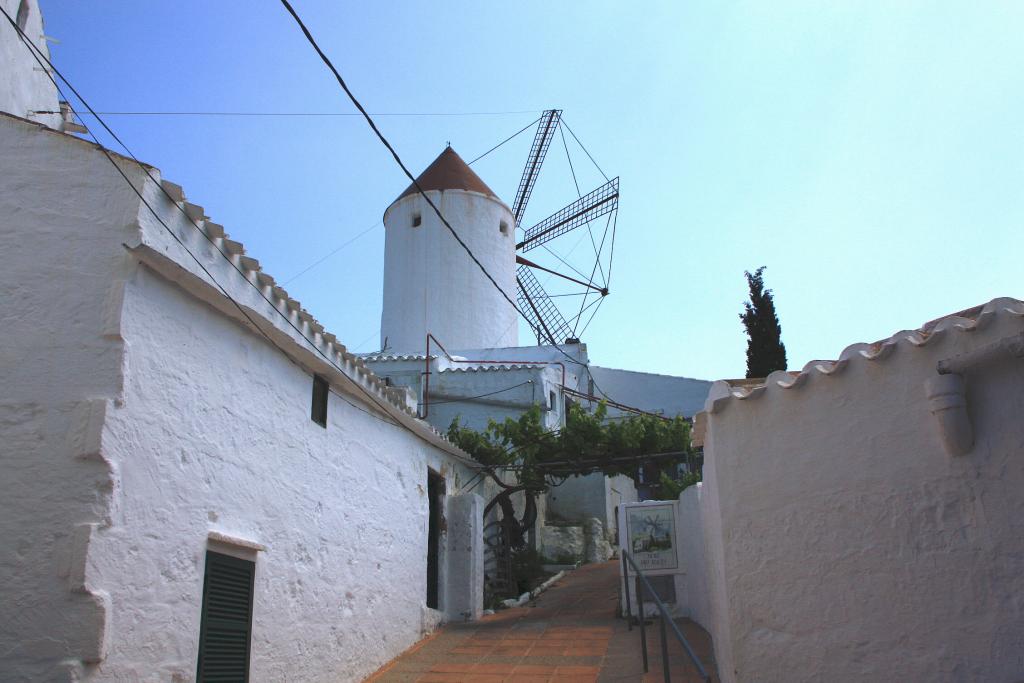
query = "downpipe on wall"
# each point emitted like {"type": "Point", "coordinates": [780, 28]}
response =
{"type": "Point", "coordinates": [946, 392]}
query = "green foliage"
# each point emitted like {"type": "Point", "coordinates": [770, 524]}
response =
{"type": "Point", "coordinates": [669, 488]}
{"type": "Point", "coordinates": [765, 351]}
{"type": "Point", "coordinates": [587, 443]}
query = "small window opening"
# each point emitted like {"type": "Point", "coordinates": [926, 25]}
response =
{"type": "Point", "coordinates": [320, 391]}
{"type": "Point", "coordinates": [22, 14]}
{"type": "Point", "coordinates": [552, 401]}
{"type": "Point", "coordinates": [503, 227]}
{"type": "Point", "coordinates": [417, 219]}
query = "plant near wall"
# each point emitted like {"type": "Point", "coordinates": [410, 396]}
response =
{"type": "Point", "coordinates": [669, 488]}
{"type": "Point", "coordinates": [765, 351]}
{"type": "Point", "coordinates": [587, 443]}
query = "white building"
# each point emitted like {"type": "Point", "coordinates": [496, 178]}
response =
{"type": "Point", "coordinates": [863, 518]}
{"type": "Point", "coordinates": [194, 472]}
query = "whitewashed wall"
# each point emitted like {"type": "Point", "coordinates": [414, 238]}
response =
{"type": "Point", "coordinates": [138, 417]}
{"type": "Point", "coordinates": [432, 285]}
{"type": "Point", "coordinates": [24, 87]}
{"type": "Point", "coordinates": [594, 495]}
{"type": "Point", "coordinates": [693, 592]}
{"type": "Point", "coordinates": [844, 543]}
{"type": "Point", "coordinates": [666, 394]}
{"type": "Point", "coordinates": [220, 438]}
{"type": "Point", "coordinates": [61, 362]}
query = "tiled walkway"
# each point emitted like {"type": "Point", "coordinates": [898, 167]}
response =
{"type": "Point", "coordinates": [570, 633]}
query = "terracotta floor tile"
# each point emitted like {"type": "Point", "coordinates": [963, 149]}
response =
{"type": "Point", "coordinates": [504, 669]}
{"type": "Point", "coordinates": [578, 670]}
{"type": "Point", "coordinates": [451, 667]}
{"type": "Point", "coordinates": [441, 678]}
{"type": "Point", "coordinates": [535, 669]}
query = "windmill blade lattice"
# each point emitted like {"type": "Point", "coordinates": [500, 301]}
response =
{"type": "Point", "coordinates": [600, 202]}
{"type": "Point", "coordinates": [545, 319]}
{"type": "Point", "coordinates": [548, 323]}
{"type": "Point", "coordinates": [546, 128]}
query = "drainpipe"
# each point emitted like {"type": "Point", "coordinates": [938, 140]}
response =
{"type": "Point", "coordinates": [948, 403]}
{"type": "Point", "coordinates": [1006, 347]}
{"type": "Point", "coordinates": [946, 392]}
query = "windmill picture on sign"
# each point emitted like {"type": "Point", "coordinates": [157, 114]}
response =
{"type": "Point", "coordinates": [652, 536]}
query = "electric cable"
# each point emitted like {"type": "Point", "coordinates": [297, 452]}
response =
{"type": "Point", "coordinates": [297, 113]}
{"type": "Point", "coordinates": [330, 254]}
{"type": "Point", "coordinates": [473, 398]}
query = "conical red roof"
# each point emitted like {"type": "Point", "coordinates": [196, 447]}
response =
{"type": "Point", "coordinates": [449, 172]}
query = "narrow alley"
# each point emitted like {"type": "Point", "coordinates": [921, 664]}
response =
{"type": "Point", "coordinates": [569, 633]}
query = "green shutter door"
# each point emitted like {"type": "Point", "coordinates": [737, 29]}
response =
{"type": "Point", "coordinates": [226, 625]}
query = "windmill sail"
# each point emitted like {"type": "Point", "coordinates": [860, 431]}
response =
{"type": "Point", "coordinates": [601, 201]}
{"type": "Point", "coordinates": [538, 150]}
{"type": "Point", "coordinates": [545, 319]}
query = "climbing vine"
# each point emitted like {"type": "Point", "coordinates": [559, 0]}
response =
{"type": "Point", "coordinates": [589, 442]}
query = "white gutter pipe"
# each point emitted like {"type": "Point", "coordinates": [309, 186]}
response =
{"type": "Point", "coordinates": [1012, 346]}
{"type": "Point", "coordinates": [948, 403]}
{"type": "Point", "coordinates": [946, 392]}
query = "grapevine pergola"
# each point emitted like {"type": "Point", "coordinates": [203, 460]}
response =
{"type": "Point", "coordinates": [587, 443]}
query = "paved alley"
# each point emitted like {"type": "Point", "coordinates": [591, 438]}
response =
{"type": "Point", "coordinates": [569, 633]}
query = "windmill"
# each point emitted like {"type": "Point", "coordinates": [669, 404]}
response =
{"type": "Point", "coordinates": [548, 323]}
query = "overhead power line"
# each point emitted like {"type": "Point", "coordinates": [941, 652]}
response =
{"type": "Point", "coordinates": [329, 254]}
{"type": "Point", "coordinates": [465, 399]}
{"type": "Point", "coordinates": [298, 113]}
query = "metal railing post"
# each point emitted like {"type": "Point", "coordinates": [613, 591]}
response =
{"type": "Point", "coordinates": [625, 583]}
{"type": "Point", "coordinates": [643, 630]}
{"type": "Point", "coordinates": [664, 650]}
{"type": "Point", "coordinates": [666, 620]}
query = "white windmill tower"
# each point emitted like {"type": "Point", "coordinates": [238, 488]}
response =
{"type": "Point", "coordinates": [432, 285]}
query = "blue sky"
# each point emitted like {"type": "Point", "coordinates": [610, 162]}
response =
{"type": "Point", "coordinates": [871, 155]}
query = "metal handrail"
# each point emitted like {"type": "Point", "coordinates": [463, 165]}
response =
{"type": "Point", "coordinates": [665, 618]}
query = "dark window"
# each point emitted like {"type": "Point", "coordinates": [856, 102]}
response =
{"type": "Point", "coordinates": [320, 391]}
{"type": "Point", "coordinates": [226, 625]}
{"type": "Point", "coordinates": [435, 499]}
{"type": "Point", "coordinates": [417, 219]}
{"type": "Point", "coordinates": [503, 227]}
{"type": "Point", "coordinates": [569, 403]}
{"type": "Point", "coordinates": [23, 14]}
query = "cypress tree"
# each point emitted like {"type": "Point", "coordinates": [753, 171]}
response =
{"type": "Point", "coordinates": [765, 350]}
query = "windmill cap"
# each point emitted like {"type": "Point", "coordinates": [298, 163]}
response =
{"type": "Point", "coordinates": [449, 172]}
